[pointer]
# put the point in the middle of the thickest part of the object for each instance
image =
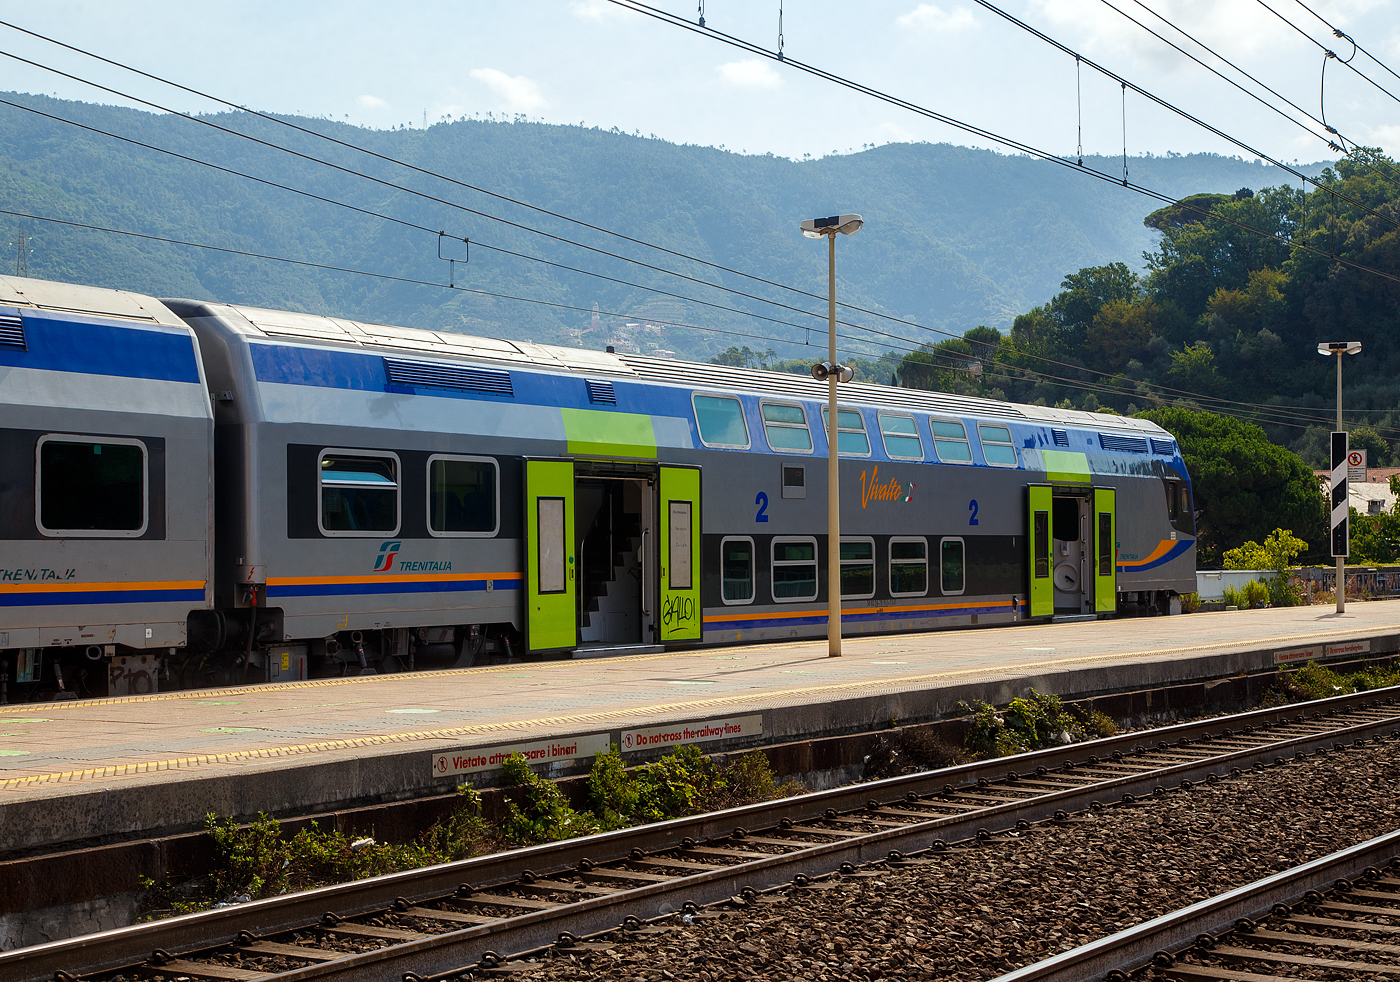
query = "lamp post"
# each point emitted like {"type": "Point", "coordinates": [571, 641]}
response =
{"type": "Point", "coordinates": [1340, 530]}
{"type": "Point", "coordinates": [816, 228]}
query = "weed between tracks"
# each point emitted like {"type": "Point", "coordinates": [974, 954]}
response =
{"type": "Point", "coordinates": [1030, 723]}
{"type": "Point", "coordinates": [256, 860]}
{"type": "Point", "coordinates": [1314, 681]}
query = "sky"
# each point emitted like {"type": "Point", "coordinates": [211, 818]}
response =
{"type": "Point", "coordinates": [596, 63]}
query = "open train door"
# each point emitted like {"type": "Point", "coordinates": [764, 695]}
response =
{"type": "Point", "coordinates": [1105, 550]}
{"type": "Point", "coordinates": [1040, 549]}
{"type": "Point", "coordinates": [679, 548]}
{"type": "Point", "coordinates": [551, 582]}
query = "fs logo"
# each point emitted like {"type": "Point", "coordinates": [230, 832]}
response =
{"type": "Point", "coordinates": [387, 552]}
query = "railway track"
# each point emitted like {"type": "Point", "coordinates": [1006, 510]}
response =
{"type": "Point", "coordinates": [447, 920]}
{"type": "Point", "coordinates": [1333, 918]}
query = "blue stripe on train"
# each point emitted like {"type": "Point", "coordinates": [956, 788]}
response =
{"type": "Point", "coordinates": [46, 599]}
{"type": "Point", "coordinates": [97, 346]}
{"type": "Point", "coordinates": [366, 589]}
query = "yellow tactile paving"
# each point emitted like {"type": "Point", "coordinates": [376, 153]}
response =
{"type": "Point", "coordinates": [101, 739]}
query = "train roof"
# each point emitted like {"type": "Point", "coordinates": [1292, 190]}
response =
{"type": "Point", "coordinates": [48, 295]}
{"type": "Point", "coordinates": [337, 331]}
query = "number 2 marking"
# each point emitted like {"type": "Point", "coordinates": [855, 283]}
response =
{"type": "Point", "coordinates": [972, 507]}
{"type": "Point", "coordinates": [762, 501]}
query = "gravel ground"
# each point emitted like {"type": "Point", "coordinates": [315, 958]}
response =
{"type": "Point", "coordinates": [976, 913]}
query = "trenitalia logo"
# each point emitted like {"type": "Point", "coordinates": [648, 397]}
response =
{"type": "Point", "coordinates": [872, 489]}
{"type": "Point", "coordinates": [387, 552]}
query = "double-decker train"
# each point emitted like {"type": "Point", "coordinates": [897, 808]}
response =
{"type": "Point", "coordinates": [196, 493]}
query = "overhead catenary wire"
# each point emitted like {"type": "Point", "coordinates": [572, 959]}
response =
{"type": "Point", "coordinates": [1032, 151]}
{"type": "Point", "coordinates": [1339, 33]}
{"type": "Point", "coordinates": [1274, 415]}
{"type": "Point", "coordinates": [1163, 198]}
{"type": "Point", "coordinates": [1324, 47]}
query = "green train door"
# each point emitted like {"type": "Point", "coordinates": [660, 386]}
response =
{"type": "Point", "coordinates": [679, 548]}
{"type": "Point", "coordinates": [1040, 549]}
{"type": "Point", "coordinates": [1105, 550]}
{"type": "Point", "coordinates": [551, 583]}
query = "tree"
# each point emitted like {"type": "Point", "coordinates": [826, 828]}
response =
{"type": "Point", "coordinates": [1244, 486]}
{"type": "Point", "coordinates": [744, 357]}
{"type": "Point", "coordinates": [1193, 370]}
{"type": "Point", "coordinates": [1083, 295]}
{"type": "Point", "coordinates": [1119, 333]}
{"type": "Point", "coordinates": [1377, 450]}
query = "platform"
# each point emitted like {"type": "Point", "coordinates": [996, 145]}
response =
{"type": "Point", "coordinates": [113, 768]}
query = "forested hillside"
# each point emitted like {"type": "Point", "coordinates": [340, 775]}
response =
{"type": "Point", "coordinates": [955, 238]}
{"type": "Point", "coordinates": [1223, 318]}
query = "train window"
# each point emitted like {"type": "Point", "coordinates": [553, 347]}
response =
{"type": "Point", "coordinates": [1106, 543]}
{"type": "Point", "coordinates": [463, 496]}
{"type": "Point", "coordinates": [1173, 502]}
{"type": "Point", "coordinates": [1185, 510]}
{"type": "Point", "coordinates": [736, 565]}
{"type": "Point", "coordinates": [851, 438]}
{"type": "Point", "coordinates": [550, 547]}
{"type": "Point", "coordinates": [1042, 545]}
{"type": "Point", "coordinates": [721, 422]}
{"type": "Point", "coordinates": [953, 566]}
{"type": "Point", "coordinates": [908, 567]}
{"type": "Point", "coordinates": [857, 569]}
{"type": "Point", "coordinates": [794, 481]}
{"type": "Point", "coordinates": [794, 569]}
{"type": "Point", "coordinates": [950, 441]}
{"type": "Point", "coordinates": [678, 530]}
{"type": "Point", "coordinates": [996, 445]}
{"type": "Point", "coordinates": [359, 493]}
{"type": "Point", "coordinates": [91, 486]}
{"type": "Point", "coordinates": [901, 436]}
{"type": "Point", "coordinates": [785, 426]}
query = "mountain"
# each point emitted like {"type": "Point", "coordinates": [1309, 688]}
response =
{"type": "Point", "coordinates": [954, 237]}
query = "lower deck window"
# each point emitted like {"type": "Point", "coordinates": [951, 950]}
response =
{"type": "Point", "coordinates": [908, 567]}
{"type": "Point", "coordinates": [736, 570]}
{"type": "Point", "coordinates": [857, 569]}
{"type": "Point", "coordinates": [953, 566]}
{"type": "Point", "coordinates": [794, 569]}
{"type": "Point", "coordinates": [91, 487]}
{"type": "Point", "coordinates": [462, 496]}
{"type": "Point", "coordinates": [359, 493]}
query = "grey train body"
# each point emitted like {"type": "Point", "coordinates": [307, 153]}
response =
{"type": "Point", "coordinates": [196, 492]}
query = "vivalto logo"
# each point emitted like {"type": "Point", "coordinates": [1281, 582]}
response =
{"type": "Point", "coordinates": [387, 552]}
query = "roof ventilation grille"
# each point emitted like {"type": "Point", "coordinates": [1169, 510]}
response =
{"type": "Point", "coordinates": [436, 375]}
{"type": "Point", "coordinates": [600, 391]}
{"type": "Point", "coordinates": [1122, 444]}
{"type": "Point", "coordinates": [1163, 448]}
{"type": "Point", "coordinates": [1061, 437]}
{"type": "Point", "coordinates": [12, 329]}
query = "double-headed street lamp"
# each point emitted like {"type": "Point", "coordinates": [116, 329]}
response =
{"type": "Point", "coordinates": [1340, 503]}
{"type": "Point", "coordinates": [816, 228]}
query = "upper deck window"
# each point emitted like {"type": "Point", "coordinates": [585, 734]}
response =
{"type": "Point", "coordinates": [950, 441]}
{"type": "Point", "coordinates": [785, 426]}
{"type": "Point", "coordinates": [720, 420]}
{"type": "Point", "coordinates": [996, 444]}
{"type": "Point", "coordinates": [851, 438]}
{"type": "Point", "coordinates": [901, 436]}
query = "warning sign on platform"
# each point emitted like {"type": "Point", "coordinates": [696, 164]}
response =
{"type": "Point", "coordinates": [1350, 648]}
{"type": "Point", "coordinates": [704, 731]}
{"type": "Point", "coordinates": [479, 759]}
{"type": "Point", "coordinates": [1297, 654]}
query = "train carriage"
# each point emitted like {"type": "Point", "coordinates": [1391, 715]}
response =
{"type": "Point", "coordinates": [387, 498]}
{"type": "Point", "coordinates": [106, 488]}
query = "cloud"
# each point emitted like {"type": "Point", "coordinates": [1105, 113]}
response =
{"type": "Point", "coordinates": [521, 94]}
{"type": "Point", "coordinates": [750, 74]}
{"type": "Point", "coordinates": [371, 102]}
{"type": "Point", "coordinates": [927, 17]}
{"type": "Point", "coordinates": [594, 9]}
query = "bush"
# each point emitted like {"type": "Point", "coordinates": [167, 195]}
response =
{"type": "Point", "coordinates": [1190, 603]}
{"type": "Point", "coordinates": [1255, 593]}
{"type": "Point", "coordinates": [1029, 723]}
{"type": "Point", "coordinates": [537, 810]}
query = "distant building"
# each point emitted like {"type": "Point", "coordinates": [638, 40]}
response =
{"type": "Point", "coordinates": [1370, 498]}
